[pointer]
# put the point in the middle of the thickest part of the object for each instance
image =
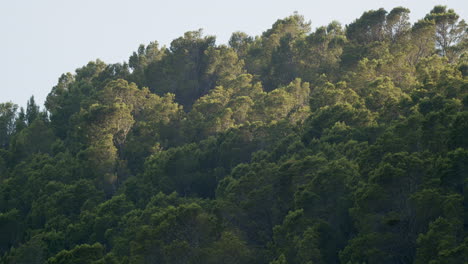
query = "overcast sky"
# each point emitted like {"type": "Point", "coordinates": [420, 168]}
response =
{"type": "Point", "coordinates": [40, 40]}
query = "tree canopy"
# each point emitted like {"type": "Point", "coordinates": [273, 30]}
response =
{"type": "Point", "coordinates": [339, 144]}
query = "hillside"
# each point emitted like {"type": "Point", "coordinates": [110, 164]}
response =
{"type": "Point", "coordinates": [346, 144]}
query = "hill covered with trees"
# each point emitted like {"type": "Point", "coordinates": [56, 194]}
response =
{"type": "Point", "coordinates": [346, 144]}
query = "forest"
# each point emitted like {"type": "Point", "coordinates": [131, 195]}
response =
{"type": "Point", "coordinates": [340, 144]}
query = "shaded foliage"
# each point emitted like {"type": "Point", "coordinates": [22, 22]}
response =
{"type": "Point", "coordinates": [334, 145]}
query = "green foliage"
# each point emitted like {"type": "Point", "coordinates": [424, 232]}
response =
{"type": "Point", "coordinates": [7, 122]}
{"type": "Point", "coordinates": [338, 145]}
{"type": "Point", "coordinates": [449, 31]}
{"type": "Point", "coordinates": [79, 254]}
{"type": "Point", "coordinates": [183, 71]}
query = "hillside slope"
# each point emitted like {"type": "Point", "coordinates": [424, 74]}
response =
{"type": "Point", "coordinates": [341, 145]}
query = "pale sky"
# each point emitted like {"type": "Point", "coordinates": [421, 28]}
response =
{"type": "Point", "coordinates": [40, 40]}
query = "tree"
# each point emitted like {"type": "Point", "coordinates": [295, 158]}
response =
{"type": "Point", "coordinates": [140, 60]}
{"type": "Point", "coordinates": [240, 42]}
{"type": "Point", "coordinates": [10, 229]}
{"type": "Point", "coordinates": [7, 122]}
{"type": "Point", "coordinates": [448, 30]}
{"type": "Point", "coordinates": [397, 23]}
{"type": "Point", "coordinates": [72, 93]}
{"type": "Point", "coordinates": [229, 249]}
{"type": "Point", "coordinates": [32, 111]}
{"type": "Point", "coordinates": [319, 53]}
{"type": "Point", "coordinates": [274, 46]}
{"type": "Point", "coordinates": [368, 28]}
{"type": "Point", "coordinates": [80, 254]}
{"type": "Point", "coordinates": [182, 71]}
{"type": "Point", "coordinates": [422, 40]}
{"type": "Point", "coordinates": [439, 244]}
{"type": "Point", "coordinates": [38, 137]}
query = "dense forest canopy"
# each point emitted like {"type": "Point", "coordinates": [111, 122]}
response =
{"type": "Point", "coordinates": [343, 144]}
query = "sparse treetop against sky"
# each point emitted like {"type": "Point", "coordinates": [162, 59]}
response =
{"type": "Point", "coordinates": [43, 39]}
